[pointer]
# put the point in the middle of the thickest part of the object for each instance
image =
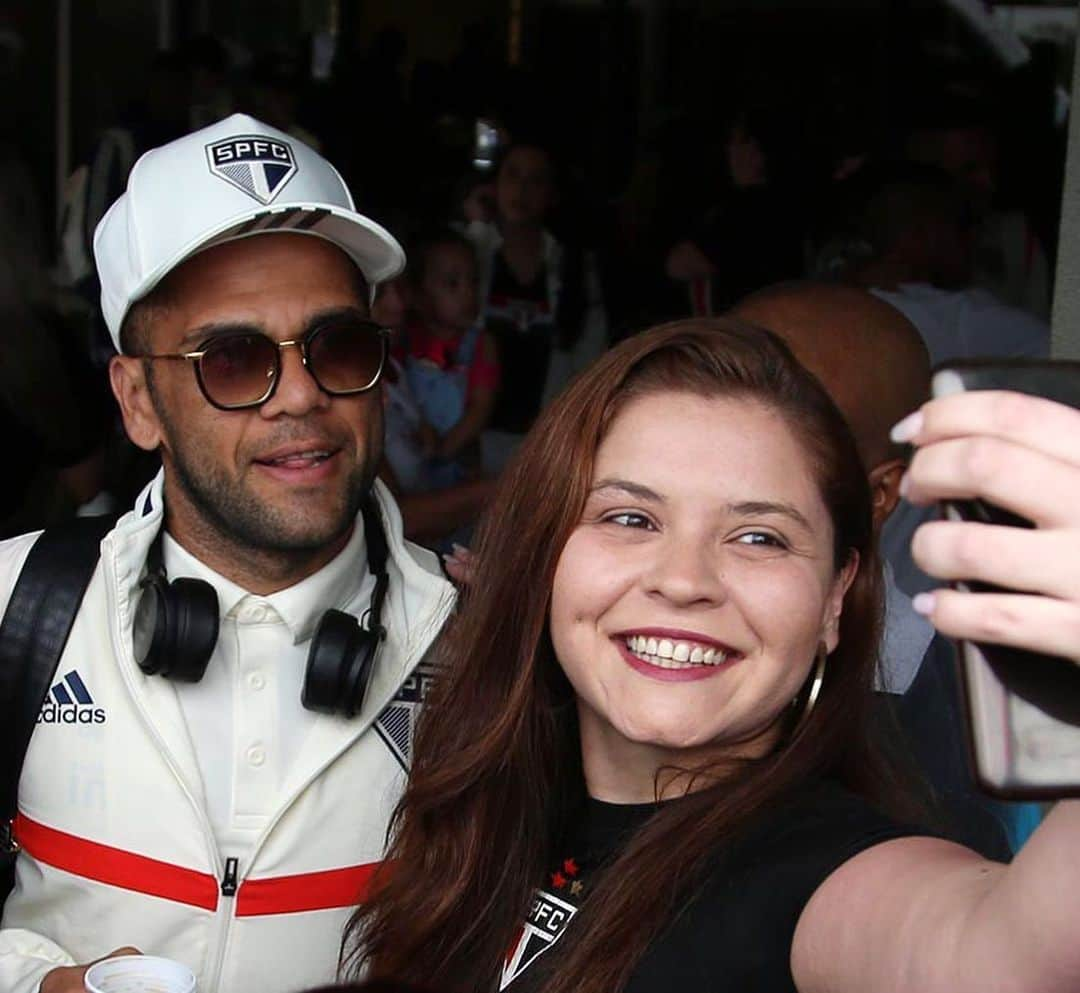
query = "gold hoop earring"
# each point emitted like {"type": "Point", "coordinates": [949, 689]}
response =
{"type": "Point", "coordinates": [816, 682]}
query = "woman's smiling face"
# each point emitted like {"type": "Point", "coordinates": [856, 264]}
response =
{"type": "Point", "coordinates": [690, 601]}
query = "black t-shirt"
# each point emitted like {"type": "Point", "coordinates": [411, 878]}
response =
{"type": "Point", "coordinates": [520, 321]}
{"type": "Point", "coordinates": [734, 934]}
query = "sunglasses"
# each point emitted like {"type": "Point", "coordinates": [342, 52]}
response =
{"type": "Point", "coordinates": [235, 370]}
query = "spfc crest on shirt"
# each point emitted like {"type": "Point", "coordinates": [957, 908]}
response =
{"type": "Point", "coordinates": [544, 926]}
{"type": "Point", "coordinates": [257, 165]}
{"type": "Point", "coordinates": [397, 722]}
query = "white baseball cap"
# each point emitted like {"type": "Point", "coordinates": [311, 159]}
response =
{"type": "Point", "coordinates": [234, 179]}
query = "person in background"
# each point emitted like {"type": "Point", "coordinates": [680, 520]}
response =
{"type": "Point", "coordinates": [906, 235]}
{"type": "Point", "coordinates": [873, 364]}
{"type": "Point", "coordinates": [449, 360]}
{"type": "Point", "coordinates": [747, 229]}
{"type": "Point", "coordinates": [540, 297]}
{"type": "Point", "coordinates": [679, 788]}
{"type": "Point", "coordinates": [408, 436]}
{"type": "Point", "coordinates": [907, 238]}
{"type": "Point", "coordinates": [1009, 258]}
{"type": "Point", "coordinates": [428, 517]}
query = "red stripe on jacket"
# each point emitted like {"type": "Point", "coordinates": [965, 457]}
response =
{"type": "Point", "coordinates": [114, 866]}
{"type": "Point", "coordinates": [307, 891]}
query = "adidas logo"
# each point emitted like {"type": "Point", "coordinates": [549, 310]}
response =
{"type": "Point", "coordinates": [70, 702]}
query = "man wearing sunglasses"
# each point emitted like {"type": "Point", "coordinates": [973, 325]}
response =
{"type": "Point", "coordinates": [229, 817]}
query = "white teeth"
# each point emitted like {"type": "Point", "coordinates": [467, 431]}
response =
{"type": "Point", "coordinates": [301, 457]}
{"type": "Point", "coordinates": [667, 654]}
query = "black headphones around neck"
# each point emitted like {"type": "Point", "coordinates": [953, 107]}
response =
{"type": "Point", "coordinates": [176, 628]}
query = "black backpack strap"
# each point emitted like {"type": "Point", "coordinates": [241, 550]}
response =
{"type": "Point", "coordinates": [35, 629]}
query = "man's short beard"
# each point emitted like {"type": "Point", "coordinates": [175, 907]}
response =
{"type": "Point", "coordinates": [241, 520]}
{"type": "Point", "coordinates": [246, 522]}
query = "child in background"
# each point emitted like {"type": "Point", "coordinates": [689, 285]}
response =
{"type": "Point", "coordinates": [434, 518]}
{"type": "Point", "coordinates": [449, 360]}
{"type": "Point", "coordinates": [407, 437]}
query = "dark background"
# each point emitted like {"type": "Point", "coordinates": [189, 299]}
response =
{"type": "Point", "coordinates": [626, 89]}
{"type": "Point", "coordinates": [637, 101]}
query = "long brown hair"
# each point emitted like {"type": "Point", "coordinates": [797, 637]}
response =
{"type": "Point", "coordinates": [497, 771]}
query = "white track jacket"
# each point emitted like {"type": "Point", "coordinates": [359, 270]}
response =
{"type": "Point", "coordinates": [116, 845]}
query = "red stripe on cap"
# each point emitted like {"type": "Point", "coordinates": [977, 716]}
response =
{"type": "Point", "coordinates": [115, 867]}
{"type": "Point", "coordinates": [307, 891]}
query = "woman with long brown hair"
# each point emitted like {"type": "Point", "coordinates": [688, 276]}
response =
{"type": "Point", "coordinates": [647, 764]}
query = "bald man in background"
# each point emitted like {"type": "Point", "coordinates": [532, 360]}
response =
{"type": "Point", "coordinates": [874, 365]}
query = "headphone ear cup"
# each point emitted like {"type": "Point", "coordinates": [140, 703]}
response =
{"type": "Point", "coordinates": [175, 628]}
{"type": "Point", "coordinates": [192, 615]}
{"type": "Point", "coordinates": [357, 673]}
{"type": "Point", "coordinates": [150, 625]}
{"type": "Point", "coordinates": [338, 665]}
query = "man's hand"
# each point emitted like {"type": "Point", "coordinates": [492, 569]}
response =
{"type": "Point", "coordinates": [69, 979]}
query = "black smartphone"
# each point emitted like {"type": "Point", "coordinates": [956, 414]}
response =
{"type": "Point", "coordinates": [1023, 708]}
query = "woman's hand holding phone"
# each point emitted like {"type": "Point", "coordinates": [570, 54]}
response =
{"type": "Point", "coordinates": [1020, 453]}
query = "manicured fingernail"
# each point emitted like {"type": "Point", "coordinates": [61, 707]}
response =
{"type": "Point", "coordinates": [905, 484]}
{"type": "Point", "coordinates": [458, 549]}
{"type": "Point", "coordinates": [907, 429]}
{"type": "Point", "coordinates": [923, 603]}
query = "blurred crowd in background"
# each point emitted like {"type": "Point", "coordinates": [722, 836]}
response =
{"type": "Point", "coordinates": [546, 215]}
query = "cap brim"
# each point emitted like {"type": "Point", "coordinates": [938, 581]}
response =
{"type": "Point", "coordinates": [375, 251]}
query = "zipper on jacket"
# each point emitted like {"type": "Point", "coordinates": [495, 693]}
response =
{"type": "Point", "coordinates": [223, 922]}
{"type": "Point", "coordinates": [228, 881]}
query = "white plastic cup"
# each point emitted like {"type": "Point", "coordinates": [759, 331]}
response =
{"type": "Point", "coordinates": [139, 974]}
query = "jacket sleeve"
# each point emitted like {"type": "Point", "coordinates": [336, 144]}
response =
{"type": "Point", "coordinates": [25, 956]}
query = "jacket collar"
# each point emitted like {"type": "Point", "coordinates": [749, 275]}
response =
{"type": "Point", "coordinates": [418, 602]}
{"type": "Point", "coordinates": [419, 577]}
{"type": "Point", "coordinates": [299, 606]}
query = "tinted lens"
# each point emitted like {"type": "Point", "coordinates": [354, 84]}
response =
{"type": "Point", "coordinates": [346, 356]}
{"type": "Point", "coordinates": [238, 369]}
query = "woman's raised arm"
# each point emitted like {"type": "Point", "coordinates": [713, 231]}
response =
{"type": "Point", "coordinates": [922, 915]}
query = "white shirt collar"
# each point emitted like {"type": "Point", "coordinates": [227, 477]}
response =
{"type": "Point", "coordinates": [906, 638]}
{"type": "Point", "coordinates": [299, 606]}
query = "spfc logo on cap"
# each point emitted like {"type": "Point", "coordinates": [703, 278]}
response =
{"type": "Point", "coordinates": [259, 166]}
